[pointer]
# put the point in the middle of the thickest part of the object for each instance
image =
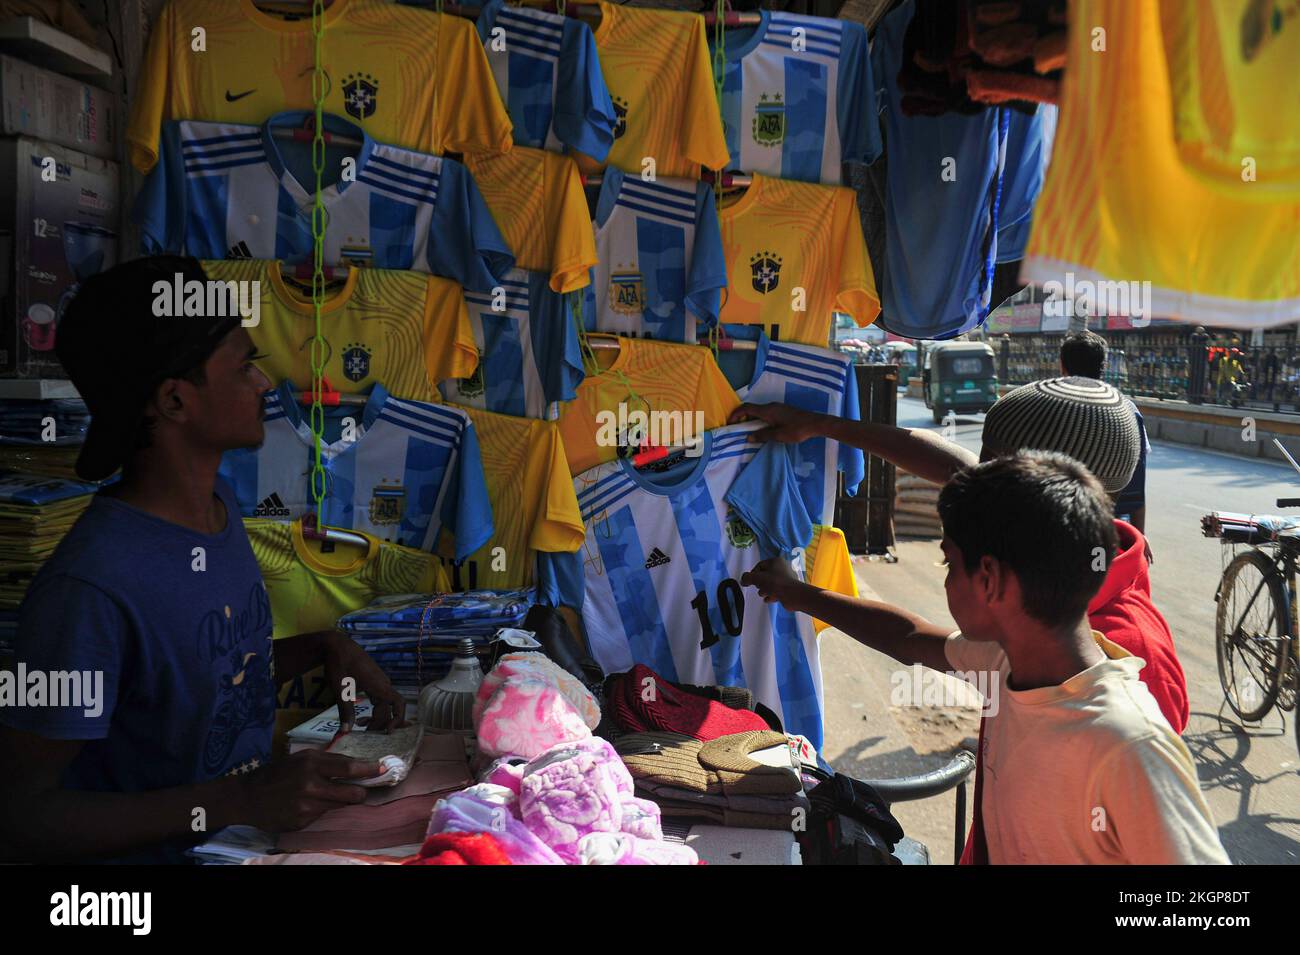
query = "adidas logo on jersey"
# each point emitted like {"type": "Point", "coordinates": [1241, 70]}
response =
{"type": "Point", "coordinates": [271, 507]}
{"type": "Point", "coordinates": [239, 250]}
{"type": "Point", "coordinates": [657, 558]}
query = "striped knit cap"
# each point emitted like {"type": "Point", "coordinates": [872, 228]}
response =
{"type": "Point", "coordinates": [1084, 418]}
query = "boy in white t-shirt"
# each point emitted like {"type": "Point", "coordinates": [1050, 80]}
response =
{"type": "Point", "coordinates": [1079, 766]}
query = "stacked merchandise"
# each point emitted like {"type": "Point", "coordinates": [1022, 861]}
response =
{"type": "Point", "coordinates": [916, 507]}
{"type": "Point", "coordinates": [413, 637]}
{"type": "Point", "coordinates": [35, 513]}
{"type": "Point", "coordinates": [60, 422]}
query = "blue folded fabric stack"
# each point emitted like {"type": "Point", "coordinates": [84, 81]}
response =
{"type": "Point", "coordinates": [23, 421]}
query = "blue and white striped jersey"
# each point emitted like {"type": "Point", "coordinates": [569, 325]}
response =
{"type": "Point", "coordinates": [661, 262]}
{"type": "Point", "coordinates": [661, 568]}
{"type": "Point", "coordinates": [410, 471]}
{"type": "Point", "coordinates": [223, 190]}
{"type": "Point", "coordinates": [549, 76]}
{"type": "Point", "coordinates": [811, 379]}
{"type": "Point", "coordinates": [529, 355]}
{"type": "Point", "coordinates": [798, 98]}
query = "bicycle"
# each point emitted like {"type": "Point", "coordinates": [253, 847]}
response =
{"type": "Point", "coordinates": [1256, 636]}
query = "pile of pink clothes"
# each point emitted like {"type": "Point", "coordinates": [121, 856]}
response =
{"type": "Point", "coordinates": [555, 794]}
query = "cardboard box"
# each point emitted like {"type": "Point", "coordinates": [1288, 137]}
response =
{"type": "Point", "coordinates": [44, 105]}
{"type": "Point", "coordinates": [63, 229]}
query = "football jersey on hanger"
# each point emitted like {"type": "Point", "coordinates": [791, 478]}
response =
{"type": "Point", "coordinates": [536, 200]}
{"type": "Point", "coordinates": [656, 65]}
{"type": "Point", "coordinates": [405, 329]}
{"type": "Point", "coordinates": [661, 267]}
{"type": "Point", "coordinates": [405, 471]}
{"type": "Point", "coordinates": [222, 190]}
{"type": "Point", "coordinates": [798, 98]}
{"type": "Point", "coordinates": [652, 391]}
{"type": "Point", "coordinates": [534, 510]}
{"type": "Point", "coordinates": [416, 79]}
{"type": "Point", "coordinates": [795, 255]}
{"type": "Point", "coordinates": [1210, 254]}
{"type": "Point", "coordinates": [811, 379]}
{"type": "Point", "coordinates": [548, 72]}
{"type": "Point", "coordinates": [661, 568]}
{"type": "Point", "coordinates": [528, 350]}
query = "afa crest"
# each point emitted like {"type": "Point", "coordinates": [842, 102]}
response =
{"type": "Point", "coordinates": [472, 387]}
{"type": "Point", "coordinates": [620, 116]}
{"type": "Point", "coordinates": [387, 503]}
{"type": "Point", "coordinates": [360, 93]}
{"type": "Point", "coordinates": [356, 362]}
{"type": "Point", "coordinates": [738, 532]}
{"type": "Point", "coordinates": [765, 271]}
{"type": "Point", "coordinates": [627, 292]}
{"type": "Point", "coordinates": [769, 120]}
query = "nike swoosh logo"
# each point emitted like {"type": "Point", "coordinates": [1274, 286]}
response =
{"type": "Point", "coordinates": [231, 97]}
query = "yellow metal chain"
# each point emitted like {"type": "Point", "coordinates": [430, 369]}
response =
{"type": "Point", "coordinates": [318, 344]}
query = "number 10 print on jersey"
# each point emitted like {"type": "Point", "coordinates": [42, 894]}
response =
{"type": "Point", "coordinates": [661, 568]}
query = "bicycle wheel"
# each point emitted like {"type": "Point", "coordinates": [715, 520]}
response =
{"type": "Point", "coordinates": [1250, 635]}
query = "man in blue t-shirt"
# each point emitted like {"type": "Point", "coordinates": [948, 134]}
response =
{"type": "Point", "coordinates": [151, 619]}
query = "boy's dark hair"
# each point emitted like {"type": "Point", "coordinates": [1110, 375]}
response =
{"type": "Point", "coordinates": [1083, 354]}
{"type": "Point", "coordinates": [1044, 516]}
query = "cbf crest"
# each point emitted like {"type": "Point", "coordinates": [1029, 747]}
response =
{"type": "Point", "coordinates": [472, 387]}
{"type": "Point", "coordinates": [360, 93]}
{"type": "Point", "coordinates": [765, 271]}
{"type": "Point", "coordinates": [769, 120]}
{"type": "Point", "coordinates": [356, 362]}
{"type": "Point", "coordinates": [627, 291]}
{"type": "Point", "coordinates": [387, 504]}
{"type": "Point", "coordinates": [620, 116]}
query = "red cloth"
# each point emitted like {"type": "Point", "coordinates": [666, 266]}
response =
{"type": "Point", "coordinates": [1124, 613]}
{"type": "Point", "coordinates": [460, 848]}
{"type": "Point", "coordinates": [671, 710]}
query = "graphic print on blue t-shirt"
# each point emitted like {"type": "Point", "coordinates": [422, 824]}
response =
{"type": "Point", "coordinates": [225, 190]}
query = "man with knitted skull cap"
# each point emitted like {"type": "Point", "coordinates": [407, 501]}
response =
{"type": "Point", "coordinates": [1083, 418]}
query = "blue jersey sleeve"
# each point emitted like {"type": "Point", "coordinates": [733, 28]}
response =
{"type": "Point", "coordinates": [71, 626]}
{"type": "Point", "coordinates": [555, 339]}
{"type": "Point", "coordinates": [708, 262]}
{"type": "Point", "coordinates": [464, 242]}
{"type": "Point", "coordinates": [852, 463]}
{"type": "Point", "coordinates": [560, 580]}
{"type": "Point", "coordinates": [856, 98]}
{"type": "Point", "coordinates": [160, 209]}
{"type": "Point", "coordinates": [584, 113]}
{"type": "Point", "coordinates": [466, 509]}
{"type": "Point", "coordinates": [766, 494]}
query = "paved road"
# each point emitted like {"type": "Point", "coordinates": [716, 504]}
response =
{"type": "Point", "coordinates": [1251, 777]}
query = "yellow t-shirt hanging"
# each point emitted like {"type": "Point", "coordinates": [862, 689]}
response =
{"type": "Point", "coordinates": [672, 379]}
{"type": "Point", "coordinates": [828, 565]}
{"type": "Point", "coordinates": [537, 201]}
{"type": "Point", "coordinates": [409, 77]}
{"type": "Point", "coordinates": [406, 330]}
{"type": "Point", "coordinates": [534, 507]}
{"type": "Point", "coordinates": [795, 255]}
{"type": "Point", "coordinates": [1120, 206]}
{"type": "Point", "coordinates": [657, 67]}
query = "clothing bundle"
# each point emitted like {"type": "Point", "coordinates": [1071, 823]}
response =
{"type": "Point", "coordinates": [35, 514]}
{"type": "Point", "coordinates": [640, 700]}
{"type": "Point", "coordinates": [24, 422]}
{"type": "Point", "coordinates": [982, 52]}
{"type": "Point", "coordinates": [742, 779]}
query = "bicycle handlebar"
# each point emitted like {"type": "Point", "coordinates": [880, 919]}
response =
{"type": "Point", "coordinates": [925, 785]}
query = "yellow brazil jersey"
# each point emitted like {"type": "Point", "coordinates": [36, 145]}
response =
{"type": "Point", "coordinates": [406, 330]}
{"type": "Point", "coordinates": [1233, 78]}
{"type": "Point", "coordinates": [656, 65]}
{"type": "Point", "coordinates": [537, 201]}
{"type": "Point", "coordinates": [1120, 206]}
{"type": "Point", "coordinates": [829, 566]}
{"type": "Point", "coordinates": [409, 77]}
{"type": "Point", "coordinates": [676, 391]}
{"type": "Point", "coordinates": [795, 255]}
{"type": "Point", "coordinates": [534, 507]}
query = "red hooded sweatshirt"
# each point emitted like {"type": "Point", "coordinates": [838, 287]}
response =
{"type": "Point", "coordinates": [1124, 613]}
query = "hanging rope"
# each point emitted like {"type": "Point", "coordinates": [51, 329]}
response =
{"type": "Point", "coordinates": [318, 344]}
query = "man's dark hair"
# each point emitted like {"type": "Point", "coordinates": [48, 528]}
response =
{"type": "Point", "coordinates": [1083, 354]}
{"type": "Point", "coordinates": [1043, 515]}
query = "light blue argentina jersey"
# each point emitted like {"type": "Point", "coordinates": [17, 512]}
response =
{"type": "Point", "coordinates": [661, 568]}
{"type": "Point", "coordinates": [529, 355]}
{"type": "Point", "coordinates": [549, 76]}
{"type": "Point", "coordinates": [223, 190]}
{"type": "Point", "coordinates": [811, 379]}
{"type": "Point", "coordinates": [661, 263]}
{"type": "Point", "coordinates": [798, 98]}
{"type": "Point", "coordinates": [410, 471]}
